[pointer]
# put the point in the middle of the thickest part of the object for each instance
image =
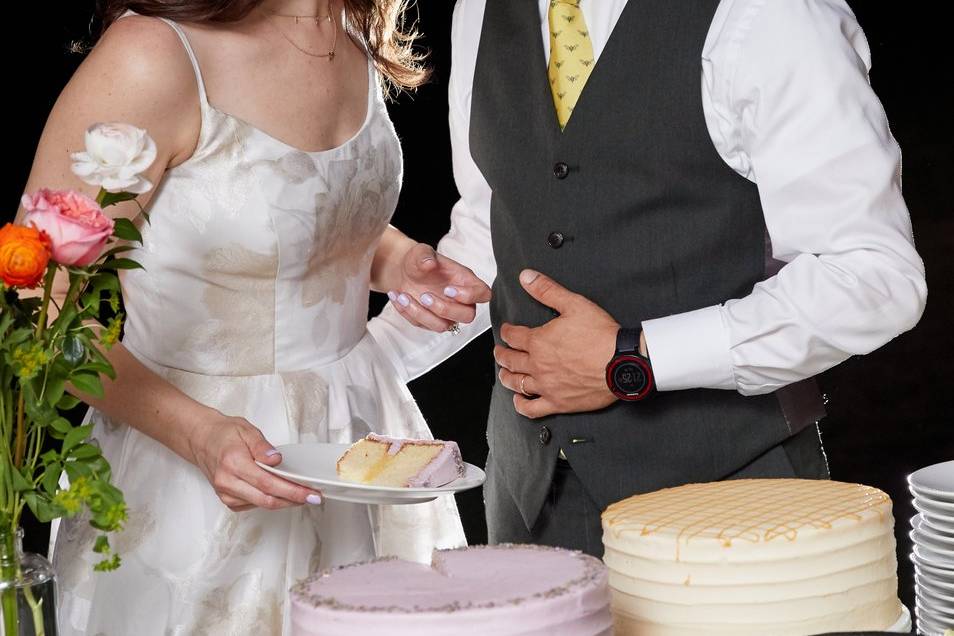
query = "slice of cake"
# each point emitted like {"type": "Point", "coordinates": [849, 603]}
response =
{"type": "Point", "coordinates": [401, 463]}
{"type": "Point", "coordinates": [758, 556]}
{"type": "Point", "coordinates": [501, 590]}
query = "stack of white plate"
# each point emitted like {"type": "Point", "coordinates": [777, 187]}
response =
{"type": "Point", "coordinates": [933, 556]}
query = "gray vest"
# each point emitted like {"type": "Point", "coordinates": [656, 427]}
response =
{"type": "Point", "coordinates": [632, 207]}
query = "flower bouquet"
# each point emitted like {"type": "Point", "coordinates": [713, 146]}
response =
{"type": "Point", "coordinates": [50, 349]}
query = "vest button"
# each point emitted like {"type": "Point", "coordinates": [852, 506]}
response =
{"type": "Point", "coordinates": [545, 435]}
{"type": "Point", "coordinates": [555, 240]}
{"type": "Point", "coordinates": [561, 170]}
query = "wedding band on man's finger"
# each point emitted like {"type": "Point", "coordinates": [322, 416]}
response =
{"type": "Point", "coordinates": [523, 389]}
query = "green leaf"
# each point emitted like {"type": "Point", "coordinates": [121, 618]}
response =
{"type": "Point", "coordinates": [43, 509]}
{"type": "Point", "coordinates": [75, 470]}
{"type": "Point", "coordinates": [88, 383]}
{"type": "Point", "coordinates": [18, 336]}
{"type": "Point", "coordinates": [108, 565]}
{"type": "Point", "coordinates": [55, 388]}
{"type": "Point", "coordinates": [20, 483]}
{"type": "Point", "coordinates": [102, 545]}
{"type": "Point", "coordinates": [125, 230]}
{"type": "Point", "coordinates": [68, 402]}
{"type": "Point", "coordinates": [74, 351]}
{"type": "Point", "coordinates": [85, 451]}
{"type": "Point", "coordinates": [112, 198]}
{"type": "Point", "coordinates": [39, 411]}
{"type": "Point", "coordinates": [61, 425]}
{"type": "Point", "coordinates": [98, 367]}
{"type": "Point", "coordinates": [51, 478]}
{"type": "Point", "coordinates": [6, 321]}
{"type": "Point", "coordinates": [121, 263]}
{"type": "Point", "coordinates": [76, 436]}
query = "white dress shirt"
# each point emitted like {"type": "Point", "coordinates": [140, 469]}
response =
{"type": "Point", "coordinates": [788, 106]}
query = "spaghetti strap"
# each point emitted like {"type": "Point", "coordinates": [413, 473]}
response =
{"type": "Point", "coordinates": [195, 61]}
{"type": "Point", "coordinates": [203, 98]}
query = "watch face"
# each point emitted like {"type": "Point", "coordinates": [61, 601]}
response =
{"type": "Point", "coordinates": [629, 377]}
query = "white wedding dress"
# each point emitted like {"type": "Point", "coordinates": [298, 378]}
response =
{"type": "Point", "coordinates": [254, 301]}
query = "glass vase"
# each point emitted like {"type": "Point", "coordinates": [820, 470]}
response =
{"type": "Point", "coordinates": [27, 589]}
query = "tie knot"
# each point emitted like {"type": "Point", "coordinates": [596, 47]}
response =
{"type": "Point", "coordinates": [573, 3]}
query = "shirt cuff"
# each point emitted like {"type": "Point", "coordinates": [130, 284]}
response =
{"type": "Point", "coordinates": [690, 350]}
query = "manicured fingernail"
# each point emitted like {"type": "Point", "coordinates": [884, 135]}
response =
{"type": "Point", "coordinates": [392, 295]}
{"type": "Point", "coordinates": [271, 452]}
{"type": "Point", "coordinates": [427, 300]}
{"type": "Point", "coordinates": [527, 276]}
{"type": "Point", "coordinates": [451, 292]}
{"type": "Point", "coordinates": [403, 300]}
{"type": "Point", "coordinates": [313, 499]}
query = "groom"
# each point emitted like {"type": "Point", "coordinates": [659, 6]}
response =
{"type": "Point", "coordinates": [694, 207]}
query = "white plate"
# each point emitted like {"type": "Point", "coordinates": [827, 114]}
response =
{"type": "Point", "coordinates": [923, 554]}
{"type": "Point", "coordinates": [929, 628]}
{"type": "Point", "coordinates": [903, 626]}
{"type": "Point", "coordinates": [930, 542]}
{"type": "Point", "coordinates": [933, 505]}
{"type": "Point", "coordinates": [934, 574]}
{"type": "Point", "coordinates": [934, 613]}
{"type": "Point", "coordinates": [919, 523]}
{"type": "Point", "coordinates": [943, 584]}
{"type": "Point", "coordinates": [929, 625]}
{"type": "Point", "coordinates": [935, 481]}
{"type": "Point", "coordinates": [931, 497]}
{"type": "Point", "coordinates": [314, 465]}
{"type": "Point", "coordinates": [935, 595]}
{"type": "Point", "coordinates": [933, 591]}
{"type": "Point", "coordinates": [935, 517]}
{"type": "Point", "coordinates": [936, 569]}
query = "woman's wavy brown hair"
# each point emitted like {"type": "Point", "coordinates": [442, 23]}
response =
{"type": "Point", "coordinates": [378, 24]}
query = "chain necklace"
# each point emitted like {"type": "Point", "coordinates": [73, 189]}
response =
{"type": "Point", "coordinates": [318, 19]}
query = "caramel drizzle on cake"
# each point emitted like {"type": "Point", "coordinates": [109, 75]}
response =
{"type": "Point", "coordinates": [753, 510]}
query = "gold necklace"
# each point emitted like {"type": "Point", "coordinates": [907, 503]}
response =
{"type": "Point", "coordinates": [298, 18]}
{"type": "Point", "coordinates": [317, 18]}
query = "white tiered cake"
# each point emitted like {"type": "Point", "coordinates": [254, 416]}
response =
{"type": "Point", "coordinates": [760, 556]}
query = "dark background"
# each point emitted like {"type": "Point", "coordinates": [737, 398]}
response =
{"type": "Point", "coordinates": [889, 412]}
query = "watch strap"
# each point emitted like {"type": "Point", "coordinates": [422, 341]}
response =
{"type": "Point", "coordinates": [627, 340]}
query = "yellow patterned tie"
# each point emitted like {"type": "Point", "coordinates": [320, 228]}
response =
{"type": "Point", "coordinates": [571, 56]}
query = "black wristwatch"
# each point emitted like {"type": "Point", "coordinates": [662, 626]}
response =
{"type": "Point", "coordinates": [629, 375]}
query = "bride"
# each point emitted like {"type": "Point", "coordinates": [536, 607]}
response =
{"type": "Point", "coordinates": [277, 173]}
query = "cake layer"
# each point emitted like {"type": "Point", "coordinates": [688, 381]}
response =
{"type": "Point", "coordinates": [720, 610]}
{"type": "Point", "coordinates": [401, 463]}
{"type": "Point", "coordinates": [747, 520]}
{"type": "Point", "coordinates": [775, 556]}
{"type": "Point", "coordinates": [877, 553]}
{"type": "Point", "coordinates": [504, 590]}
{"type": "Point", "coordinates": [873, 617]}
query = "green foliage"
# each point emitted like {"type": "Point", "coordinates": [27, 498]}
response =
{"type": "Point", "coordinates": [45, 368]}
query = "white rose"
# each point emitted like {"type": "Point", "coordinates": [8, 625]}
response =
{"type": "Point", "coordinates": [116, 157]}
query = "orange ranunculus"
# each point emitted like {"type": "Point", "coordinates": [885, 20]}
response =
{"type": "Point", "coordinates": [24, 254]}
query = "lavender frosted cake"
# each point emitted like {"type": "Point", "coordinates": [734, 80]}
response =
{"type": "Point", "coordinates": [504, 590]}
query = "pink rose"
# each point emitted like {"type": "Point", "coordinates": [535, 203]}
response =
{"type": "Point", "coordinates": [75, 224]}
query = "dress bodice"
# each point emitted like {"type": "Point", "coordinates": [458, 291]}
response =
{"type": "Point", "coordinates": [257, 255]}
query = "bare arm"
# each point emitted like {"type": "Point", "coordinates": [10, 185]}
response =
{"type": "Point", "coordinates": [140, 74]}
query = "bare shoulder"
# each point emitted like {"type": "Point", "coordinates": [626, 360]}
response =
{"type": "Point", "coordinates": [139, 54]}
{"type": "Point", "coordinates": [138, 72]}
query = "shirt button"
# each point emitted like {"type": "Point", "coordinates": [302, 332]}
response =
{"type": "Point", "coordinates": [561, 170]}
{"type": "Point", "coordinates": [555, 240]}
{"type": "Point", "coordinates": [545, 435]}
